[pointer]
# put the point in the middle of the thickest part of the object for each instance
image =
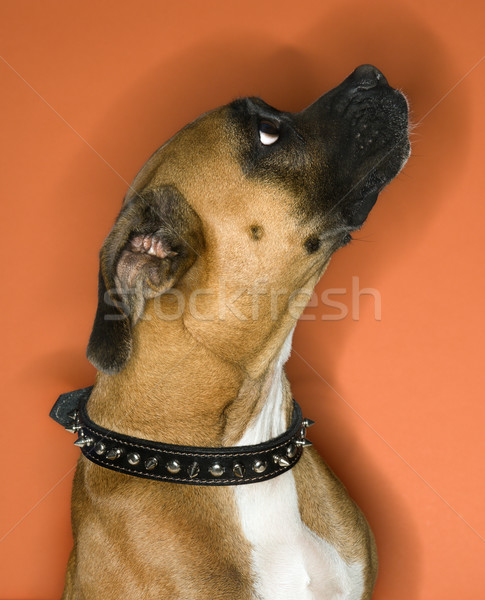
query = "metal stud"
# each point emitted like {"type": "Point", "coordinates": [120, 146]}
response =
{"type": "Point", "coordinates": [260, 466]}
{"type": "Point", "coordinates": [173, 467]}
{"type": "Point", "coordinates": [151, 463]}
{"type": "Point", "coordinates": [239, 470]}
{"type": "Point", "coordinates": [75, 426]}
{"type": "Point", "coordinates": [114, 453]}
{"type": "Point", "coordinates": [133, 458]}
{"type": "Point", "coordinates": [308, 423]}
{"type": "Point", "coordinates": [304, 443]}
{"type": "Point", "coordinates": [216, 470]}
{"type": "Point", "coordinates": [291, 451]}
{"type": "Point", "coordinates": [193, 470]}
{"type": "Point", "coordinates": [100, 448]}
{"type": "Point", "coordinates": [281, 460]}
{"type": "Point", "coordinates": [83, 441]}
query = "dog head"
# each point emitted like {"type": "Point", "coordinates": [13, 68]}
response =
{"type": "Point", "coordinates": [239, 213]}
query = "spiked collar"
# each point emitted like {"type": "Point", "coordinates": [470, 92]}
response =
{"type": "Point", "coordinates": [180, 464]}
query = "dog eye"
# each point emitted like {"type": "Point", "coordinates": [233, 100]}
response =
{"type": "Point", "coordinates": [268, 133]}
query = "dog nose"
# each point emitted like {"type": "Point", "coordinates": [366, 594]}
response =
{"type": "Point", "coordinates": [367, 77]}
{"type": "Point", "coordinates": [364, 81]}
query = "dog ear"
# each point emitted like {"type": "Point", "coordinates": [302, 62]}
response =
{"type": "Point", "coordinates": [155, 240]}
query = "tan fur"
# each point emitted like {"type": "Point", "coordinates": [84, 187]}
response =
{"type": "Point", "coordinates": [201, 381]}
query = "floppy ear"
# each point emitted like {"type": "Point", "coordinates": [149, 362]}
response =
{"type": "Point", "coordinates": [155, 240]}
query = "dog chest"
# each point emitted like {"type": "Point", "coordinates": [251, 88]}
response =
{"type": "Point", "coordinates": [288, 560]}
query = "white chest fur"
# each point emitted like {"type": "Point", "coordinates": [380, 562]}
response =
{"type": "Point", "coordinates": [288, 560]}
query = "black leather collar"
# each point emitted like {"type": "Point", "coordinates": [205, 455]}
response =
{"type": "Point", "coordinates": [180, 464]}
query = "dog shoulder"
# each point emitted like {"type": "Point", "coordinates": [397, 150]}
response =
{"type": "Point", "coordinates": [327, 509]}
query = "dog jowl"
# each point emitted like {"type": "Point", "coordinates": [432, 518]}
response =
{"type": "Point", "coordinates": [245, 203]}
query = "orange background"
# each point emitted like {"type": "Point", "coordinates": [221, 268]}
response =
{"type": "Point", "coordinates": [90, 89]}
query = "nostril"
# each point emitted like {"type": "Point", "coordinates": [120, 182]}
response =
{"type": "Point", "coordinates": [367, 77]}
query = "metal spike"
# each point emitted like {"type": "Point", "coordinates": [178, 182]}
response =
{"type": "Point", "coordinates": [239, 470]}
{"type": "Point", "coordinates": [291, 451]}
{"type": "Point", "coordinates": [193, 470]}
{"type": "Point", "coordinates": [114, 453]}
{"type": "Point", "coordinates": [151, 463]}
{"type": "Point", "coordinates": [308, 423]}
{"type": "Point", "coordinates": [281, 460]}
{"type": "Point", "coordinates": [83, 441]}
{"type": "Point", "coordinates": [304, 443]}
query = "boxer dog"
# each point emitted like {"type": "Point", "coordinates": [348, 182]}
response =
{"type": "Point", "coordinates": [219, 243]}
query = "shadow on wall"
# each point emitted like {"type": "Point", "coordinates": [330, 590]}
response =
{"type": "Point", "coordinates": [290, 77]}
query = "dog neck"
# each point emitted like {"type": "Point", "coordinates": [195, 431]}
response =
{"type": "Point", "coordinates": [177, 391]}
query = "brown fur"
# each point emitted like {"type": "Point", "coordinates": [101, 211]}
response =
{"type": "Point", "coordinates": [201, 379]}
